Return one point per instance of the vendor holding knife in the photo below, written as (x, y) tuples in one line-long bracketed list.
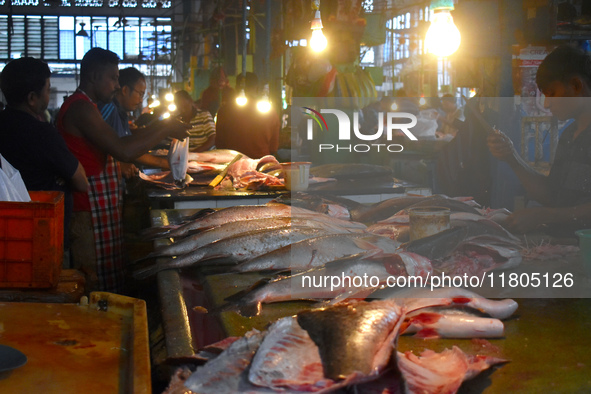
[(565, 79)]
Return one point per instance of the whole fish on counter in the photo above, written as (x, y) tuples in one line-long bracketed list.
[(338, 207), (227, 230), (312, 284), (237, 248), (250, 212), (316, 252)]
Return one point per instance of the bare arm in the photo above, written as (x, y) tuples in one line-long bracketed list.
[(79, 182), (153, 161), (83, 119), (536, 184), (206, 145)]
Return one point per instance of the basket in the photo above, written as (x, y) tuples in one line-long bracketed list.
[(32, 241)]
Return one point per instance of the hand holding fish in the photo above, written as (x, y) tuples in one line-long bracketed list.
[(500, 146)]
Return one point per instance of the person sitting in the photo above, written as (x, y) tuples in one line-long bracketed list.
[(97, 242), (34, 147), (245, 128), (128, 98), (564, 77), (202, 131)]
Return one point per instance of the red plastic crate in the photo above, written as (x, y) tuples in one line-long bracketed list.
[(32, 240)]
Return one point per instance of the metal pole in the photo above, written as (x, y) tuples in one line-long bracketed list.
[(268, 40), (244, 44)]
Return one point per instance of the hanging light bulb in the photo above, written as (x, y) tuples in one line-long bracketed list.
[(317, 41), (171, 107), (443, 37), (241, 99), (154, 104), (264, 105), (169, 97)]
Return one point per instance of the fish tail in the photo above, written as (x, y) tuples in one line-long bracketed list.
[(144, 273), (149, 256)]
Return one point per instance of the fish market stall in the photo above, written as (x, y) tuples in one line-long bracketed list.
[(241, 274), (257, 181)]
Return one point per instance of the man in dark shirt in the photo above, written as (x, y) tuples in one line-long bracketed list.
[(565, 79), (35, 147)]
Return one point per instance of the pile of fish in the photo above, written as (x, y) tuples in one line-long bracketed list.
[(351, 348), (300, 240)]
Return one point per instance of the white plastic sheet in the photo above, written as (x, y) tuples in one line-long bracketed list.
[(12, 187), (178, 159)]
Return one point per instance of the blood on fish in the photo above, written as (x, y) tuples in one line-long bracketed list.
[(461, 300), (426, 318), (427, 333)]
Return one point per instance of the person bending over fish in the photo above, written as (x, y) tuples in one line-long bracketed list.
[(97, 224), (565, 79)]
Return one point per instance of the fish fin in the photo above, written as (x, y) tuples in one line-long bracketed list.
[(372, 249), (144, 273), (427, 333)]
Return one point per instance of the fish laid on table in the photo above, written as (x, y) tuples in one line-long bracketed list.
[(313, 285), (449, 323), (218, 156), (237, 248), (227, 230), (418, 298), (384, 209), (249, 212), (338, 207), (443, 372), (228, 373), (316, 252)]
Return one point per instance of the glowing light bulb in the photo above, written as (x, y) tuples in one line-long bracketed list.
[(264, 105), (241, 99), (394, 107), (165, 115), (318, 42), (154, 104), (171, 107), (443, 37), (169, 97), (422, 101)]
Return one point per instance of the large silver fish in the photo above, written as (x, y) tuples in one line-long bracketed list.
[(318, 251), (227, 230), (235, 249), (338, 280), (249, 212)]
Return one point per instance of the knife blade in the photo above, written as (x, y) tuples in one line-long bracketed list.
[(222, 174)]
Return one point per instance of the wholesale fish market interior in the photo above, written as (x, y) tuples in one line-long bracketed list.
[(297, 196)]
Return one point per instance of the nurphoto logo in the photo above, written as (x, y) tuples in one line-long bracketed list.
[(402, 121)]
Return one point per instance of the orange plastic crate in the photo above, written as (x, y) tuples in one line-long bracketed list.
[(32, 240)]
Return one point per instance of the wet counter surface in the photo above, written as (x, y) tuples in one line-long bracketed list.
[(101, 347), (546, 341)]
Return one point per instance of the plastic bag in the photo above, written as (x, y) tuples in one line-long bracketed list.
[(178, 159), (12, 187)]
